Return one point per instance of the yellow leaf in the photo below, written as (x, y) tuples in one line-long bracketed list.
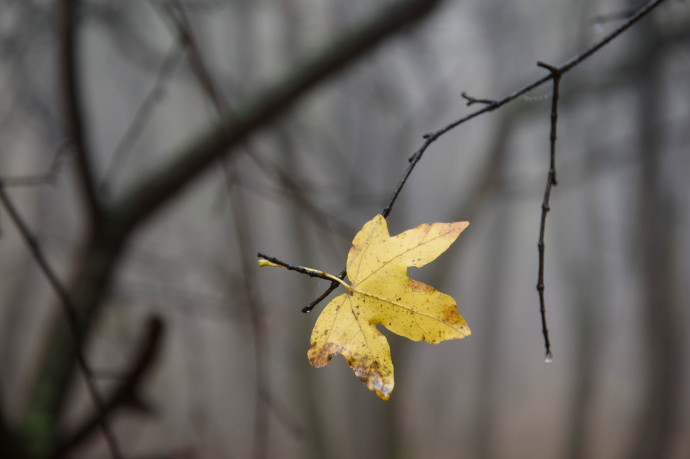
[(381, 293)]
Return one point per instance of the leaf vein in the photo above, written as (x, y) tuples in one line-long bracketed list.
[(383, 265), (408, 308)]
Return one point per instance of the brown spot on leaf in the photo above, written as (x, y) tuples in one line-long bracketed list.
[(420, 286), (319, 356), (371, 362), (376, 377), (450, 315)]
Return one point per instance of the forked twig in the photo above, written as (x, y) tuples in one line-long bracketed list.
[(46, 178), (126, 391), (473, 100), (115, 220), (263, 401), (300, 269), (71, 314), (141, 119), (334, 285), (555, 74)]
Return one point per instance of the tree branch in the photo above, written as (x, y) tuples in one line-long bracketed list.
[(141, 119), (491, 105), (47, 178), (550, 181), (162, 185), (299, 269), (73, 107), (71, 314), (126, 392), (117, 219)]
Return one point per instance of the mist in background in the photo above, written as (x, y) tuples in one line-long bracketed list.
[(231, 377)]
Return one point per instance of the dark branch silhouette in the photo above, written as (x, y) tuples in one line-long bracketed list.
[(110, 223), (47, 178), (162, 185), (431, 137), (71, 314), (72, 103), (141, 118), (126, 392), (550, 182)]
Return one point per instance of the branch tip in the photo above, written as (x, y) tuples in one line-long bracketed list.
[(473, 100), (555, 71)]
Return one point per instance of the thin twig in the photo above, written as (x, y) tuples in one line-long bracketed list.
[(473, 100), (187, 38), (601, 19), (282, 414), (642, 12), (161, 185), (414, 159), (255, 309), (126, 391), (296, 189), (299, 269), (47, 178), (175, 13), (550, 182), (227, 114), (140, 202), (71, 314), (334, 285), (431, 137), (141, 118), (183, 29)]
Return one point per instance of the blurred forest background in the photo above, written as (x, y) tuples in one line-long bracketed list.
[(207, 354)]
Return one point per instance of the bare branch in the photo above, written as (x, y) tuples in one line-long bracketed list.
[(47, 178), (121, 216), (561, 70), (68, 61), (473, 100), (183, 29), (254, 306), (162, 185), (550, 181), (334, 285), (431, 137), (127, 390), (70, 312), (141, 118), (299, 269)]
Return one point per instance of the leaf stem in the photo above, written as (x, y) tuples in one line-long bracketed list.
[(265, 260)]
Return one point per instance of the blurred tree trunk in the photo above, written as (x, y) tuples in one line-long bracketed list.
[(664, 360), (586, 271)]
